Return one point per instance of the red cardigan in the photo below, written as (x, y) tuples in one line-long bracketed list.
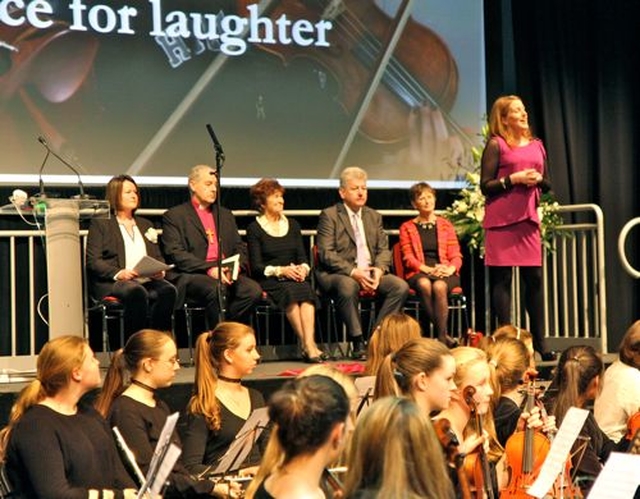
[(411, 246)]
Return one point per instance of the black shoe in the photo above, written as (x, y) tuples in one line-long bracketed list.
[(312, 360), (449, 341), (549, 356), (359, 349)]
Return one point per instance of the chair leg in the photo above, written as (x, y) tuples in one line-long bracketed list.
[(121, 324), (189, 322), (332, 326), (106, 347)]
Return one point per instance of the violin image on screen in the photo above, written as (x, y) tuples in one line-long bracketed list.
[(526, 452), (476, 464), (421, 72)]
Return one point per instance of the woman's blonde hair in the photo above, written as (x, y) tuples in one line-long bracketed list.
[(392, 332), (395, 448), (510, 359), (57, 360), (466, 359), (499, 111), (209, 356)]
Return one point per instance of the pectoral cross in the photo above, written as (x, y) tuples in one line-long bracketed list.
[(210, 235)]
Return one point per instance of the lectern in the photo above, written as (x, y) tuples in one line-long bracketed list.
[(64, 259)]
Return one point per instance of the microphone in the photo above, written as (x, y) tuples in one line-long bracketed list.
[(44, 142), (216, 143), (41, 194)]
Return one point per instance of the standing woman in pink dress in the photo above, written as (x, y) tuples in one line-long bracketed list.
[(514, 173)]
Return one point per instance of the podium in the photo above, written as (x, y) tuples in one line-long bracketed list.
[(64, 259)]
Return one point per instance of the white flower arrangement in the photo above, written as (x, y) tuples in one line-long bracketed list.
[(152, 235), (467, 213)]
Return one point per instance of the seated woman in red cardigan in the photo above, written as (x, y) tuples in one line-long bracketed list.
[(431, 259)]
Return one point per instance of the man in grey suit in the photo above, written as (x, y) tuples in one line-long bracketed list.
[(354, 257)]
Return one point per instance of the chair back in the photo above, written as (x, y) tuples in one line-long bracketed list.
[(398, 267)]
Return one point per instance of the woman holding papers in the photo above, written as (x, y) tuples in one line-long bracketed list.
[(115, 246), (279, 263), (129, 401), (220, 404), (54, 446)]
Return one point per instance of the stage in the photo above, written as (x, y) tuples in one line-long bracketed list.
[(266, 378)]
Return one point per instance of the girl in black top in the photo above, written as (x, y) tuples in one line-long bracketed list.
[(54, 447), (148, 361)]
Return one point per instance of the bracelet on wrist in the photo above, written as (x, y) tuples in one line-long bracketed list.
[(506, 182)]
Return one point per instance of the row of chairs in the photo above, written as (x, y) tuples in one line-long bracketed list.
[(111, 310)]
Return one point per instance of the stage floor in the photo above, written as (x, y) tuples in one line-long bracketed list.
[(267, 377)]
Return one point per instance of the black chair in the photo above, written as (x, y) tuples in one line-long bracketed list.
[(111, 310), (190, 308)]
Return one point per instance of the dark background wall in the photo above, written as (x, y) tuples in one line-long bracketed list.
[(575, 64)]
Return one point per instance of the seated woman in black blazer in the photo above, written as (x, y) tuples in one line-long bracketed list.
[(114, 247)]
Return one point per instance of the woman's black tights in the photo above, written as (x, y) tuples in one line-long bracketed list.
[(500, 279)]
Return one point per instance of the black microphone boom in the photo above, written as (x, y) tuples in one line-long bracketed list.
[(40, 181), (216, 144), (44, 142)]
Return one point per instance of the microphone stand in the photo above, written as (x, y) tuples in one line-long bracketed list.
[(219, 164), (82, 194)]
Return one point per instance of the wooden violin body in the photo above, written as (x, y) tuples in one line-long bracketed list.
[(476, 464), (633, 425), (521, 474), (450, 444), (526, 452), (421, 72)]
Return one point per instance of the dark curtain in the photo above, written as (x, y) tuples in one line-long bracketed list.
[(575, 63)]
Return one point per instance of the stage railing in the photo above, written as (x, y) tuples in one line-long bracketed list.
[(574, 281)]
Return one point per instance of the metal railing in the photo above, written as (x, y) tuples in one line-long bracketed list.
[(573, 277)]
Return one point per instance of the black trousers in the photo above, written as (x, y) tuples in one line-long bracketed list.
[(238, 300)]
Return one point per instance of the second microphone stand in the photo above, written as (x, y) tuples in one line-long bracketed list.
[(222, 292)]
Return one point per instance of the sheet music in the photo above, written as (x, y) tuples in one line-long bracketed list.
[(233, 264), (559, 453), (164, 450), (619, 479), (245, 439), (164, 468), (148, 266)]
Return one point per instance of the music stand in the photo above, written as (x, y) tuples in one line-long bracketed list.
[(164, 458), (365, 386), (245, 439)]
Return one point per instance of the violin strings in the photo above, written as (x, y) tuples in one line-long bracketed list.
[(397, 75)]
